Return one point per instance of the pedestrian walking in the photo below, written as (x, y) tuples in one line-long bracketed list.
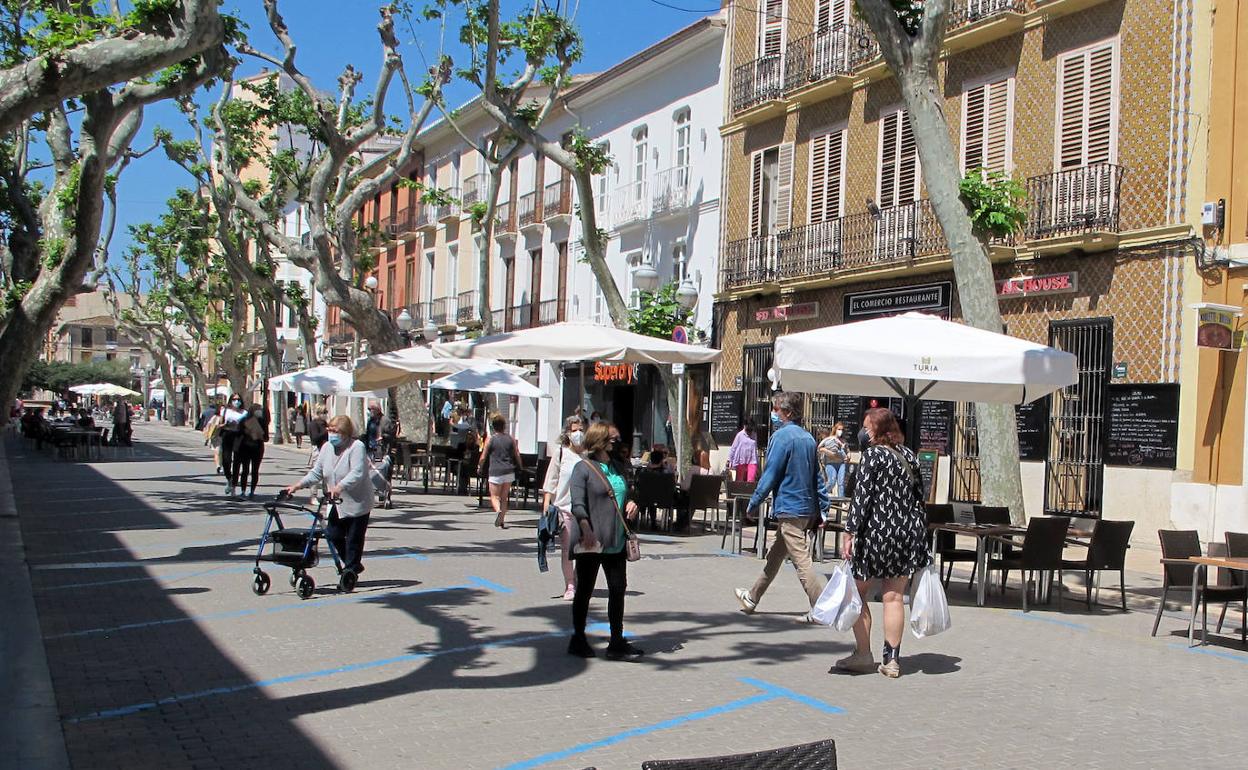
[(318, 428), (342, 466), (886, 537), (299, 424), (231, 427), (121, 423), (799, 499), (743, 454), (600, 504), (249, 451), (557, 489), (833, 457), (501, 457)]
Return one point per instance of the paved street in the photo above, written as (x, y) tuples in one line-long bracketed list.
[(450, 654)]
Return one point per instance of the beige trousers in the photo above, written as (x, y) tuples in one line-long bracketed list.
[(790, 542)]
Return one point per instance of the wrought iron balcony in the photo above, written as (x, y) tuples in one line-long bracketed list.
[(630, 203), (1078, 200), (506, 222), (418, 312), (556, 200), (449, 212), (967, 12), (670, 191), (442, 310), (521, 316), (466, 308), (527, 210), (551, 311), (475, 189), (827, 53), (339, 334), (498, 320), (756, 82), (424, 219)]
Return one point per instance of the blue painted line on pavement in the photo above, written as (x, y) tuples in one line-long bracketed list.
[(489, 584), (769, 692), (1214, 653), (1053, 621)]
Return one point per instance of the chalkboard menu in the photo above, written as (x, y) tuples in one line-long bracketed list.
[(936, 426), (848, 410), (927, 472), (725, 415), (1033, 429), (1143, 426)]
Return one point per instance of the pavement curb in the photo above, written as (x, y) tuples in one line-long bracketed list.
[(30, 723)]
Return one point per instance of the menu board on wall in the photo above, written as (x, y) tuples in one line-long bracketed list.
[(1143, 428), (927, 472), (936, 426), (848, 410), (725, 415), (1033, 429)]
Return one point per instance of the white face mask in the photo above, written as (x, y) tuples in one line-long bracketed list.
[(577, 437), (838, 433)]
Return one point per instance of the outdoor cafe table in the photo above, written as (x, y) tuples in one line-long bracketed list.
[(1203, 563), (982, 533)]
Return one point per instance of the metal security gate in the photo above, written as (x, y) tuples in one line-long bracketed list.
[(820, 412), (964, 478), (756, 388), (1075, 470)]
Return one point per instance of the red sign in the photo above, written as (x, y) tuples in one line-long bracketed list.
[(1030, 286), (618, 374), (783, 313)]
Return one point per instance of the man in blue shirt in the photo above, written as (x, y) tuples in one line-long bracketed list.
[(798, 491)]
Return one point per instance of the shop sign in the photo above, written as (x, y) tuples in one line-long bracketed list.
[(933, 298), (339, 354), (1215, 326), (783, 313), (1032, 285), (615, 373)]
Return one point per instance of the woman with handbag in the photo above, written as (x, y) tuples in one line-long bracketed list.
[(600, 504), (885, 537)]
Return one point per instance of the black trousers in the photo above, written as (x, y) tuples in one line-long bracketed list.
[(615, 567), (246, 460), (229, 442), (346, 533)]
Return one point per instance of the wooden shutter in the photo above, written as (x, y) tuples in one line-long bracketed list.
[(899, 161), (771, 34), (784, 188), (830, 13), (756, 195), (826, 169), (986, 126), (888, 160), (1087, 92)]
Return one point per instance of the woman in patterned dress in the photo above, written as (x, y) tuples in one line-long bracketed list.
[(886, 537)]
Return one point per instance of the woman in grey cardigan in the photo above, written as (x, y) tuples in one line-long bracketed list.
[(343, 466), (600, 503)]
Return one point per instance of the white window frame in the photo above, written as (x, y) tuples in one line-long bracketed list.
[(1008, 75), (759, 37), (1115, 44), (641, 147)]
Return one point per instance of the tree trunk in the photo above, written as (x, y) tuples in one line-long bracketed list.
[(20, 340)]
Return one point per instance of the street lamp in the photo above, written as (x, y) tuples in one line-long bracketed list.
[(645, 277), (430, 330), (405, 321), (687, 294), (370, 283)]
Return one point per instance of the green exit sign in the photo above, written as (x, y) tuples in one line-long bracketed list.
[(1120, 370)]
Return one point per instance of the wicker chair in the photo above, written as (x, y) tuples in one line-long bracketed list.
[(1041, 552), (1106, 551), (1182, 544), (704, 496), (808, 756), (946, 544), (655, 491)]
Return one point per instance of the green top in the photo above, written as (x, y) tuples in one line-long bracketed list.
[(620, 487)]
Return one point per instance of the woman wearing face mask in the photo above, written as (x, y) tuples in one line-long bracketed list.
[(231, 428), (343, 467), (250, 450), (599, 493), (833, 455), (558, 492)]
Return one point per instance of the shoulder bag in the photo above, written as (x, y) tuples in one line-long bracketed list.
[(632, 548)]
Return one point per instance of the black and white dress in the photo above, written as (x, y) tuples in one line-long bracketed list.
[(886, 516)]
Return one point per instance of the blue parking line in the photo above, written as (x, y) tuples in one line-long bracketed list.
[(769, 692), (1054, 621), (489, 584), (1215, 653)]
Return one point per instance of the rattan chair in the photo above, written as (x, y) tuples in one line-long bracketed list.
[(704, 496), (1183, 544), (1041, 552), (1106, 551), (808, 756), (655, 491), (946, 544)]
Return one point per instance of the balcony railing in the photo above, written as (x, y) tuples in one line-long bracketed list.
[(339, 333), (449, 211), (506, 223), (670, 190), (898, 234), (417, 310), (551, 311), (521, 316), (498, 319), (424, 217), (966, 12), (466, 308), (442, 310), (556, 200), (1078, 200), (630, 203), (756, 82), (475, 188), (527, 210), (824, 54)]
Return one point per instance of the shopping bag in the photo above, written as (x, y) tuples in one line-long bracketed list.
[(839, 605), (929, 611)]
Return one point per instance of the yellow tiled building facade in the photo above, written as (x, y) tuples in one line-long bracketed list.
[(1093, 106)]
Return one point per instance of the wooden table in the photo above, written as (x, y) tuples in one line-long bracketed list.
[(1203, 563), (982, 533)]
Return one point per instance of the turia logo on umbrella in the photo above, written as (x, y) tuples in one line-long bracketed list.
[(926, 366)]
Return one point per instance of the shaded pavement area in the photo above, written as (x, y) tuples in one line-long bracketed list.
[(450, 653)]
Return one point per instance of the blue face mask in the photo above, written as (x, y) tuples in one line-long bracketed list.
[(775, 418), (335, 439)]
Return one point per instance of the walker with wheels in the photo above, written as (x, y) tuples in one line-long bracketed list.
[(297, 547)]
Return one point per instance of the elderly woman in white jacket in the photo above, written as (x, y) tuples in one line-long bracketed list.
[(343, 466), (558, 492)]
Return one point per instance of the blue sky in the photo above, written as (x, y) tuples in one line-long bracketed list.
[(332, 33)]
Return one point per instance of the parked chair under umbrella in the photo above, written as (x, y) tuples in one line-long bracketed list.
[(1041, 552)]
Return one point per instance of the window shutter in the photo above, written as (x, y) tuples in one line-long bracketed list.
[(1100, 105), (826, 168), (1070, 143), (756, 195), (1087, 92), (907, 162), (771, 41), (888, 160), (784, 188), (986, 126), (973, 128)]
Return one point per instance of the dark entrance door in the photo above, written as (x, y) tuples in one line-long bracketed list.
[(756, 387), (1075, 469)]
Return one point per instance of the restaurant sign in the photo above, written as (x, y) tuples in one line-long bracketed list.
[(1215, 325), (1032, 285), (615, 373), (783, 313), (933, 298)]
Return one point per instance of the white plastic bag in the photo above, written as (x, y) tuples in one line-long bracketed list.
[(839, 605), (929, 611)]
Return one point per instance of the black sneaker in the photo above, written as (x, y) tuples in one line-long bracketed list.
[(623, 651), (579, 646)]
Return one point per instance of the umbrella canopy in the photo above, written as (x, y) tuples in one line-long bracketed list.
[(577, 342), (419, 364), (321, 381), (490, 379), (921, 356), (103, 389), (86, 390)]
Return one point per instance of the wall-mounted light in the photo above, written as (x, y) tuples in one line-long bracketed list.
[(370, 283)]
